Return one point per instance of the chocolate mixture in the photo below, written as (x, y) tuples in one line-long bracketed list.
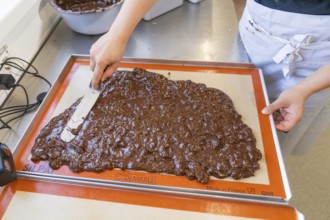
[(143, 121), (84, 6)]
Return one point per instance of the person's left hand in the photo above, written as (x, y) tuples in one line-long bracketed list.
[(287, 110)]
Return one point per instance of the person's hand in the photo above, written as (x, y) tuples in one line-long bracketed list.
[(105, 55), (107, 52), (287, 110)]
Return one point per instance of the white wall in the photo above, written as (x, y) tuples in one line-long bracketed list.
[(25, 24), (7, 18), (6, 7)]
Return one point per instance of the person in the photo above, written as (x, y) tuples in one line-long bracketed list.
[(288, 40), (106, 52)]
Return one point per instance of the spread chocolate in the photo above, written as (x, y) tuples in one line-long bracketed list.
[(84, 6), (144, 121)]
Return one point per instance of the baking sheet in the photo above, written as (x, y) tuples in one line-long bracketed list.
[(231, 84), (243, 85), (26, 199)]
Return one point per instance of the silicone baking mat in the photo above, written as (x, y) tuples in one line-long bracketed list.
[(29, 200), (244, 84)]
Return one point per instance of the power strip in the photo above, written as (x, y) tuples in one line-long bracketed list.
[(17, 74)]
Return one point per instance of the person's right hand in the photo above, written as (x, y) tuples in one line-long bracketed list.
[(106, 52), (105, 55)]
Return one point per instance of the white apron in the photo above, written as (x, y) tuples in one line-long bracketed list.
[(288, 47)]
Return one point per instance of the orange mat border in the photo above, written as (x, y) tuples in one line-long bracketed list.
[(275, 188), (157, 200)]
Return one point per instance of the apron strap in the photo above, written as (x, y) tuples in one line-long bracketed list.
[(289, 53)]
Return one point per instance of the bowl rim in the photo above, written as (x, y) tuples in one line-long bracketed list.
[(52, 2)]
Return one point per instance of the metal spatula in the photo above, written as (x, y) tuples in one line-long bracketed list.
[(78, 117)]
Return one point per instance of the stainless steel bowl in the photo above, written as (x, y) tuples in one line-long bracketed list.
[(89, 22)]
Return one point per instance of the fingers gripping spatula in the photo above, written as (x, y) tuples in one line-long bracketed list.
[(86, 104)]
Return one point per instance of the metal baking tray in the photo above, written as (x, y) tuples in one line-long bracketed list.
[(242, 82), (83, 202)]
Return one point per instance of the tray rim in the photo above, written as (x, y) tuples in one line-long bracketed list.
[(74, 57), (72, 190)]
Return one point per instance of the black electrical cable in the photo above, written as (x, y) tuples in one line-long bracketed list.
[(21, 110), (17, 66), (26, 110), (17, 107), (4, 124), (10, 63), (15, 111)]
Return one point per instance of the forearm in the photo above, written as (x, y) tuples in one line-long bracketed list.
[(315, 82), (129, 16)]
